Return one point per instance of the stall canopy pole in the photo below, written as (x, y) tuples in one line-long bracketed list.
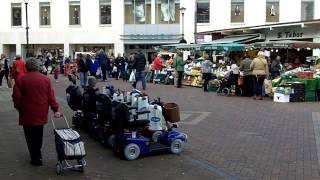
[(287, 55)]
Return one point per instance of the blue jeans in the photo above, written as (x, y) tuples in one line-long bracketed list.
[(258, 84), (140, 76), (83, 79)]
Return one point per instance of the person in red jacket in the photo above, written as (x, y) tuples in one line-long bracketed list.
[(157, 66), (18, 68), (32, 96)]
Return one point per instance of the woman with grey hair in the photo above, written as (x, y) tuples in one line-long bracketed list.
[(260, 70), (32, 96)]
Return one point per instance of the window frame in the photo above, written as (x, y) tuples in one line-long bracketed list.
[(158, 13), (74, 3), (204, 2), (15, 5), (105, 3), (44, 4), (147, 14), (313, 13), (241, 2), (273, 19)]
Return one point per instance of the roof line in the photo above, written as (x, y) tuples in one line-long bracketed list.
[(265, 26)]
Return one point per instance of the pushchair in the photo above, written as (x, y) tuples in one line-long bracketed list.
[(229, 86), (69, 147)]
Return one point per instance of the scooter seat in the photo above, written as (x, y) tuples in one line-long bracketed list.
[(139, 123)]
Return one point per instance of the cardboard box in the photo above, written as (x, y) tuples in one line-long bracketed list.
[(283, 98)]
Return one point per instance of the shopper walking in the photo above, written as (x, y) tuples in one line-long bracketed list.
[(260, 70), (32, 96), (18, 68), (179, 65), (139, 65), (104, 63), (118, 64), (83, 70), (4, 69), (206, 69), (247, 76), (94, 66)]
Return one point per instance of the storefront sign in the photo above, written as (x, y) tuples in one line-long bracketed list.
[(289, 35)]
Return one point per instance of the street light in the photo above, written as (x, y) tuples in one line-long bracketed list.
[(27, 28), (182, 10)]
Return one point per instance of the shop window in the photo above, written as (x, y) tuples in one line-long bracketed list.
[(44, 13), (137, 11), (203, 11), (105, 11), (272, 11), (237, 11), (167, 11), (74, 13), (16, 14), (307, 10)]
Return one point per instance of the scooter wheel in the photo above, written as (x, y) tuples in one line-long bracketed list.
[(177, 146), (111, 140), (131, 151)]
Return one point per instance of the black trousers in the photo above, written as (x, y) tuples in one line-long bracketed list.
[(104, 72), (248, 85), (258, 84), (33, 135), (180, 75), (206, 77), (4, 73)]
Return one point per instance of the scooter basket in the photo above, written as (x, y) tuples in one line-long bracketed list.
[(171, 112)]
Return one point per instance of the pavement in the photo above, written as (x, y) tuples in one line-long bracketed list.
[(229, 138)]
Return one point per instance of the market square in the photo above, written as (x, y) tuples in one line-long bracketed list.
[(160, 89)]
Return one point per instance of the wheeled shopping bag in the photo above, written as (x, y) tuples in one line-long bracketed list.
[(69, 147)]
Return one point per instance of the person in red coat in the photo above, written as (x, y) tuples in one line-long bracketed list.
[(32, 96), (18, 68), (157, 66)]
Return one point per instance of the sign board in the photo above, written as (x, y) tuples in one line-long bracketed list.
[(293, 32)]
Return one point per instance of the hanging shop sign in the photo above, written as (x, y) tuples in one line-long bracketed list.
[(289, 35)]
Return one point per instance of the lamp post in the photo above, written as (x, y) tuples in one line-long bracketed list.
[(27, 28), (182, 10)]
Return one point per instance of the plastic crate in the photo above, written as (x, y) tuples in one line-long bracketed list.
[(310, 96)]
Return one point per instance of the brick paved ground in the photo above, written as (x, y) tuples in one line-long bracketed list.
[(234, 138)]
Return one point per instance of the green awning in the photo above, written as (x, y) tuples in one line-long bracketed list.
[(224, 47)]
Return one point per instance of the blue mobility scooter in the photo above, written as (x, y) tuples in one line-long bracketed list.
[(132, 144)]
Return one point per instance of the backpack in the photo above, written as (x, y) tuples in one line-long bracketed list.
[(74, 98)]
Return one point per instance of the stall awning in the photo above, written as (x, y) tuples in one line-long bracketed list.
[(236, 39), (287, 44), (224, 47)]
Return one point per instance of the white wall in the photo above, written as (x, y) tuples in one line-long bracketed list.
[(90, 32)]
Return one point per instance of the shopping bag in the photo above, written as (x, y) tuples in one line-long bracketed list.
[(240, 81), (268, 86), (132, 77), (10, 83), (143, 105)]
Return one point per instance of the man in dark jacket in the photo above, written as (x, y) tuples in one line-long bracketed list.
[(139, 65), (104, 63), (118, 62), (32, 96), (83, 70)]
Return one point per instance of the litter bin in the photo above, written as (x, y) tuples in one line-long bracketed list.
[(171, 112)]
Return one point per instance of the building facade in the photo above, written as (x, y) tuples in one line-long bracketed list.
[(122, 26)]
